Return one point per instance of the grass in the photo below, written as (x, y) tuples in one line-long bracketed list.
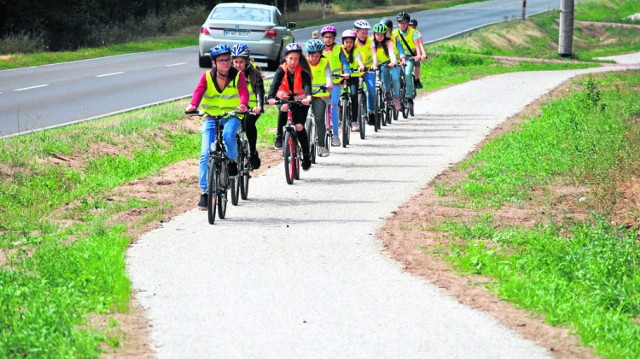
[(584, 274), (65, 257)]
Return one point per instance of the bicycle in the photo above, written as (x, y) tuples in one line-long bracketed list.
[(363, 116), (344, 110), (310, 125), (380, 99), (218, 180), (244, 167), (291, 151), (403, 99)]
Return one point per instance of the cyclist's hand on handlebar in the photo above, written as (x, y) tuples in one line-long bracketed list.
[(190, 108), (392, 64), (330, 87), (284, 107), (306, 101), (271, 101), (361, 68), (256, 110), (242, 108), (374, 67)]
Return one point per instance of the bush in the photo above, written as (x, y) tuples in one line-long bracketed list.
[(21, 42)]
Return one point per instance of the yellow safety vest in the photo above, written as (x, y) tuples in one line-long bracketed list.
[(365, 50), (382, 56), (318, 77), (334, 61), (215, 103), (408, 37)]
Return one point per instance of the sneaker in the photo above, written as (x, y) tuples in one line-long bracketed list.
[(233, 169), (306, 162), (355, 127), (277, 143), (203, 201), (372, 119), (409, 103), (255, 160), (335, 141), (323, 152), (396, 104), (387, 96), (418, 84)]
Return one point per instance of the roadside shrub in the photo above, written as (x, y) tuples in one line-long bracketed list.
[(21, 42)]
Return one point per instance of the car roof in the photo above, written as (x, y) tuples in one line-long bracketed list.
[(237, 4)]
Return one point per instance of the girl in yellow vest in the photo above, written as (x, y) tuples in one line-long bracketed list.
[(407, 38), (339, 65), (242, 61), (354, 58), (386, 60), (320, 75), (364, 45), (221, 89), (292, 81), (413, 23)]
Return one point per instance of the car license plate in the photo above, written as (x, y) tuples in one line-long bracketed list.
[(236, 33)]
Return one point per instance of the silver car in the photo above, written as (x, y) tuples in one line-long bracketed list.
[(262, 27)]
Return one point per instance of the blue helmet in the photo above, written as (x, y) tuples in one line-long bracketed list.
[(218, 50), (240, 50), (314, 45)]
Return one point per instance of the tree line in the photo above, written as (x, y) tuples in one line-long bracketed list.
[(71, 24)]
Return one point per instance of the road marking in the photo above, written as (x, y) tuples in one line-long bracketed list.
[(111, 74), (31, 87), (176, 64)]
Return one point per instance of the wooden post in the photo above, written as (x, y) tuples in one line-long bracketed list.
[(565, 42)]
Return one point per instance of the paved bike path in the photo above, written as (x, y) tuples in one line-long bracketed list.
[(296, 271)]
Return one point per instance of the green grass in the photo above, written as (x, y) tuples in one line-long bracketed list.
[(580, 274), (607, 10)]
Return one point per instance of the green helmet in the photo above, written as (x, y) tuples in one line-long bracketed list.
[(380, 28)]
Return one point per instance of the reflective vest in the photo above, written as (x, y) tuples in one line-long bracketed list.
[(408, 37), (365, 50), (215, 103), (382, 56), (353, 64), (284, 92), (318, 77), (334, 61)]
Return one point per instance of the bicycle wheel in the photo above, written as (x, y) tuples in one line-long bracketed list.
[(379, 110), (313, 141), (388, 113), (244, 168), (345, 108), (297, 156), (212, 184), (234, 183), (405, 111), (289, 159), (363, 117), (223, 187), (327, 141)]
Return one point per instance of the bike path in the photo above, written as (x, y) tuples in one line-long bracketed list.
[(297, 271)]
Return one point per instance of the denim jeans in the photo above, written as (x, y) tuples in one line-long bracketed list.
[(408, 79), (391, 75), (208, 132), (335, 98), (370, 83)]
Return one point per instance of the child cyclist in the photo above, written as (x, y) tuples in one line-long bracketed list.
[(386, 60), (320, 75), (292, 81), (364, 45), (221, 89), (339, 64), (406, 37), (413, 23), (354, 59), (242, 61)]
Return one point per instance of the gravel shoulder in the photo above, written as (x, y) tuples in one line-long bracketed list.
[(299, 270)]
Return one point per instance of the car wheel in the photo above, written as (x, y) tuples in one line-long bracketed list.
[(204, 61)]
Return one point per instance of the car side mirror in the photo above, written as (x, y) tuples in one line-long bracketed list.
[(291, 25)]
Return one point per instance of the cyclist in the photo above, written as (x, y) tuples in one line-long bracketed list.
[(354, 59), (241, 56), (413, 23), (292, 81), (386, 57), (221, 89), (407, 39), (320, 75), (339, 64), (365, 46)]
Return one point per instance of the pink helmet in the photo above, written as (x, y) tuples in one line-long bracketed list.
[(348, 34), (329, 28)]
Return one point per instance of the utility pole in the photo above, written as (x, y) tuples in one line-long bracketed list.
[(565, 42), (524, 9)]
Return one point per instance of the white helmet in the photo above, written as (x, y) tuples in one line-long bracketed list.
[(361, 24)]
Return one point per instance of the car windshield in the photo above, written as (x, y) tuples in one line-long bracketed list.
[(237, 13)]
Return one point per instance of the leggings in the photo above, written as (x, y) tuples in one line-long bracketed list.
[(319, 108), (251, 130), (299, 118)]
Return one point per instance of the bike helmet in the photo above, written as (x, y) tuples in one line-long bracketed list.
[(218, 50), (348, 34), (292, 47), (403, 16), (314, 45), (240, 50), (361, 24), (329, 28), (413, 22), (387, 22), (380, 29)]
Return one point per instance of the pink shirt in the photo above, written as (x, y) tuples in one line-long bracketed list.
[(202, 87)]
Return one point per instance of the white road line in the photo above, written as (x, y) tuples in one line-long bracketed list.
[(31, 87), (111, 74), (176, 64)]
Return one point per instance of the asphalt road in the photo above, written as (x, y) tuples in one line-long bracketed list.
[(53, 95), (297, 271)]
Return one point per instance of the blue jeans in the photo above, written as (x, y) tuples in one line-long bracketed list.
[(391, 74), (208, 132), (408, 79), (335, 98), (370, 81)]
